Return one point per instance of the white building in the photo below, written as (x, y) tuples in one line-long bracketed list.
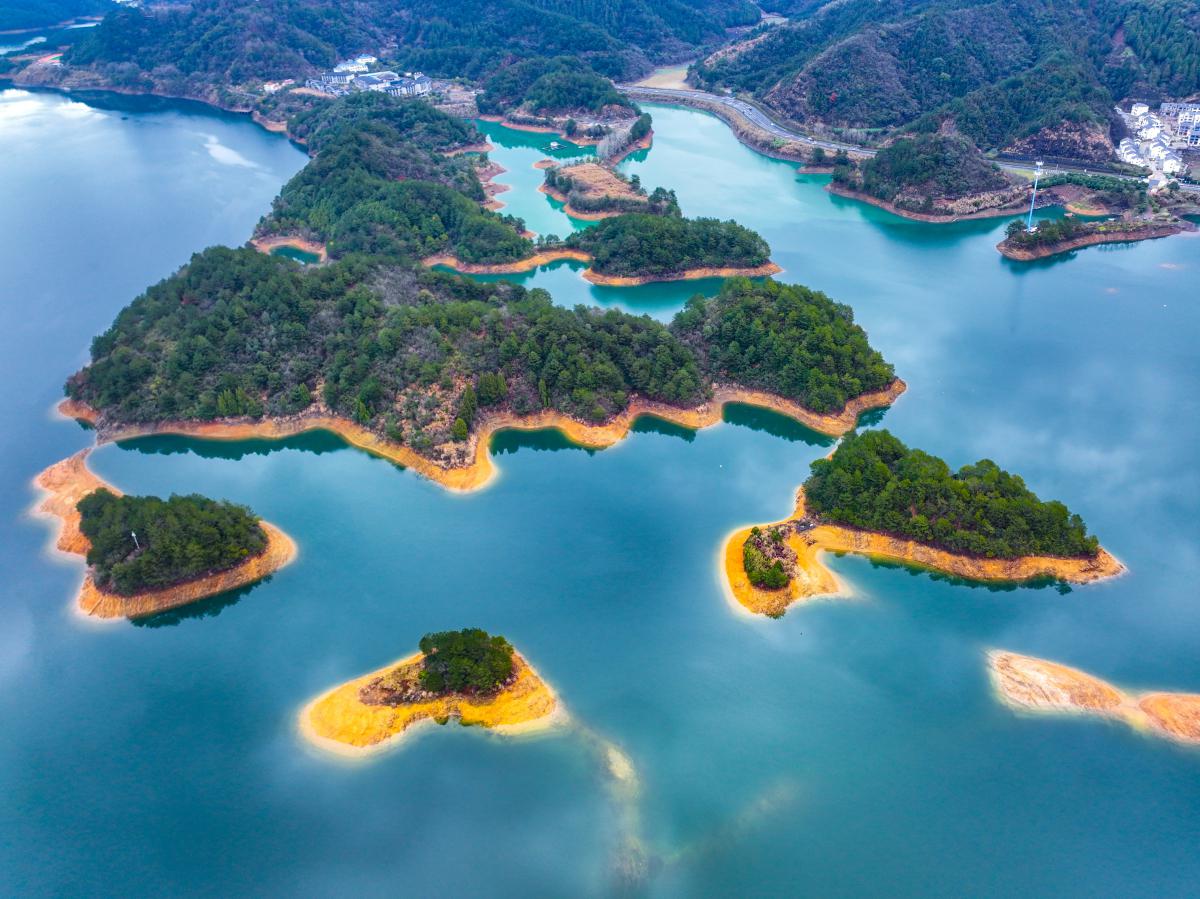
[(1138, 109)]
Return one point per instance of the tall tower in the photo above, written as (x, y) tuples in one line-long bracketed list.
[(1037, 176)]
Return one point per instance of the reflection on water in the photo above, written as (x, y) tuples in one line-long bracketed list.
[(771, 422), (316, 441), (510, 441), (204, 608)]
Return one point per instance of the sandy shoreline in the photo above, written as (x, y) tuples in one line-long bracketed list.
[(481, 470), (65, 483), (546, 257), (339, 721), (1026, 683), (994, 212), (813, 580), (1029, 254), (267, 244)]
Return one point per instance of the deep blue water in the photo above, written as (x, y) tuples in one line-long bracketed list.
[(853, 747)]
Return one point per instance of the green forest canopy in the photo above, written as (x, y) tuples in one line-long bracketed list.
[(1001, 70), (641, 244), (180, 538), (468, 661), (928, 166), (876, 483), (560, 84)]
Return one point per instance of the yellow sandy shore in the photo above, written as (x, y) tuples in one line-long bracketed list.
[(548, 256), (1027, 683), (342, 722), (814, 580), (481, 470), (267, 244), (67, 482)]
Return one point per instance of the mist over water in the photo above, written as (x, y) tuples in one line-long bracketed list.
[(851, 748)]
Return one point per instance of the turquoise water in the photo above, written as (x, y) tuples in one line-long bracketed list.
[(851, 748), (297, 255)]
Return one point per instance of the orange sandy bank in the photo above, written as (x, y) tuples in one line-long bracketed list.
[(548, 256), (1024, 682), (67, 482), (480, 470), (813, 579), (351, 719), (267, 244), (507, 268)]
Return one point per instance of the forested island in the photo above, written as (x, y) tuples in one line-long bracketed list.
[(422, 366), (878, 497), (930, 177), (470, 675), (591, 191), (146, 554)]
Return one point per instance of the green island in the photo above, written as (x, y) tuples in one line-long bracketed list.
[(877, 497), (873, 482), (178, 539), (543, 90), (469, 675), (931, 177), (590, 190), (1130, 214)]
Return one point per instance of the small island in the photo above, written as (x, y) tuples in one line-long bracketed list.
[(1026, 683), (563, 95), (469, 675), (146, 555), (877, 497), (442, 363), (930, 178), (1130, 214), (590, 191)]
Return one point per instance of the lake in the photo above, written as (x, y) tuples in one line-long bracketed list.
[(852, 748)]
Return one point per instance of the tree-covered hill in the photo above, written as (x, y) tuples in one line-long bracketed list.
[(876, 483), (927, 172), (231, 42), (543, 86), (1042, 72), (178, 539)]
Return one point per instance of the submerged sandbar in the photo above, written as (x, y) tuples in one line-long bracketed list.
[(1032, 684)]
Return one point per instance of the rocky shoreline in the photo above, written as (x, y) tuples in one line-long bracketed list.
[(811, 579)]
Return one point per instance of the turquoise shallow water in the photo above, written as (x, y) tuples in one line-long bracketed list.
[(850, 748)]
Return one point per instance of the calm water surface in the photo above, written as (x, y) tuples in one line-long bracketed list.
[(851, 748)]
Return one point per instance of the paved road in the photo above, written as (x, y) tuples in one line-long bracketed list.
[(756, 116)]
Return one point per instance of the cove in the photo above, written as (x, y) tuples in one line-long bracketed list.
[(839, 751)]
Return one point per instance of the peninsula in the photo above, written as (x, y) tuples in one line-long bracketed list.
[(445, 362), (930, 178), (1030, 684), (162, 569), (1131, 213), (469, 675), (590, 191), (876, 497)]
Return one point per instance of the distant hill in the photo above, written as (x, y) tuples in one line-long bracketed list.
[(232, 41), (1022, 75)]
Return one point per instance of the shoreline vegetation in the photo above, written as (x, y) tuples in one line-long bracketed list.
[(548, 257), (480, 469), (351, 719), (1025, 683), (811, 579), (67, 482), (840, 190), (1093, 234)]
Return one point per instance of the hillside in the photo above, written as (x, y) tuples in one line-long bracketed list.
[(227, 42), (1021, 75)]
